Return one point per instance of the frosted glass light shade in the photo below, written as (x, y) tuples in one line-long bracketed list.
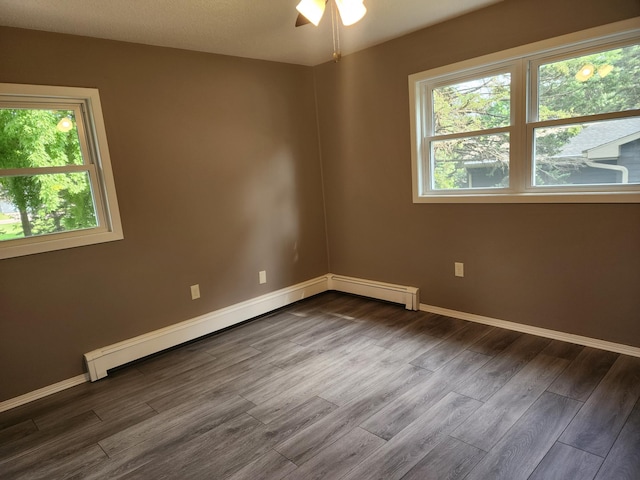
[(351, 11), (312, 10)]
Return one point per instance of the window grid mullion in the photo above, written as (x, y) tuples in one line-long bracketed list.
[(15, 172)]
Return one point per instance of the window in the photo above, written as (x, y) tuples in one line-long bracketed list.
[(557, 121), (56, 185)]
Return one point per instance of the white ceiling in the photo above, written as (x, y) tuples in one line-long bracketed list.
[(262, 29)]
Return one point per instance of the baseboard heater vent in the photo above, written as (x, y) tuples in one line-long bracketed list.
[(409, 296)]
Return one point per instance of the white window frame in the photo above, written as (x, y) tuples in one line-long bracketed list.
[(522, 62), (85, 102)]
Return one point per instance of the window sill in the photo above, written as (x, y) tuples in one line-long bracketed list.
[(578, 197), (47, 244)]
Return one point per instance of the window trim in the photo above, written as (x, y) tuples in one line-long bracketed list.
[(521, 189), (95, 151)]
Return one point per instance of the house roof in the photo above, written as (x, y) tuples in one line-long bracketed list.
[(611, 133)]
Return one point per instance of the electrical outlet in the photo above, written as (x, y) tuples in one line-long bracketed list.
[(262, 276), (195, 291), (459, 269)]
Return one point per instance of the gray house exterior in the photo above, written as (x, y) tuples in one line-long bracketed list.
[(602, 153)]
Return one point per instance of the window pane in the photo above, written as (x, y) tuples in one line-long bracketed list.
[(592, 153), (31, 138), (474, 105), (471, 162), (603, 82), (34, 205)]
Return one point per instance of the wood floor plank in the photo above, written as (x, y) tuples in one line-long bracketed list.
[(204, 457), (495, 341), (68, 467), (247, 333), (393, 323), (405, 409), (336, 338), (70, 441), (325, 327), (154, 449), (348, 374), (166, 462), (357, 385), (518, 453), (434, 358), (508, 404), (498, 371), (66, 404), (563, 462), (286, 326), (271, 408), (229, 353), (599, 422), (418, 325), (450, 460), (584, 374), (568, 351), (409, 347), (16, 432), (623, 462), (407, 448), (324, 364), (173, 362), (39, 438), (230, 380), (289, 354), (338, 459), (202, 411), (304, 445), (400, 326), (270, 466)]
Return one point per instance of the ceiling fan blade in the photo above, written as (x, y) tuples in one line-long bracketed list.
[(301, 20)]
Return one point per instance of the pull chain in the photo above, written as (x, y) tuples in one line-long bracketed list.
[(337, 55)]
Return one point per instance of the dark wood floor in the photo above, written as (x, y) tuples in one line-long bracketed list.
[(342, 387)]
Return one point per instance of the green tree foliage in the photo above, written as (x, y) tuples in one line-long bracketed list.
[(47, 202), (562, 95), (610, 86), (471, 106)]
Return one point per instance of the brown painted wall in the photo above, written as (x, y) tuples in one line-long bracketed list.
[(217, 173), (573, 268)]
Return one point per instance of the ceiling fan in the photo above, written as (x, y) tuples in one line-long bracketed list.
[(311, 11)]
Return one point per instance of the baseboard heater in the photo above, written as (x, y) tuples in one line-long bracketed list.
[(103, 359), (409, 296)]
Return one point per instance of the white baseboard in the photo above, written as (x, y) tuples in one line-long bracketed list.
[(103, 359), (43, 392), (409, 296), (540, 332)]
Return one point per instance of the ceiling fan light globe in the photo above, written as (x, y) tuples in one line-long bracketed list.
[(351, 11), (312, 10)]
